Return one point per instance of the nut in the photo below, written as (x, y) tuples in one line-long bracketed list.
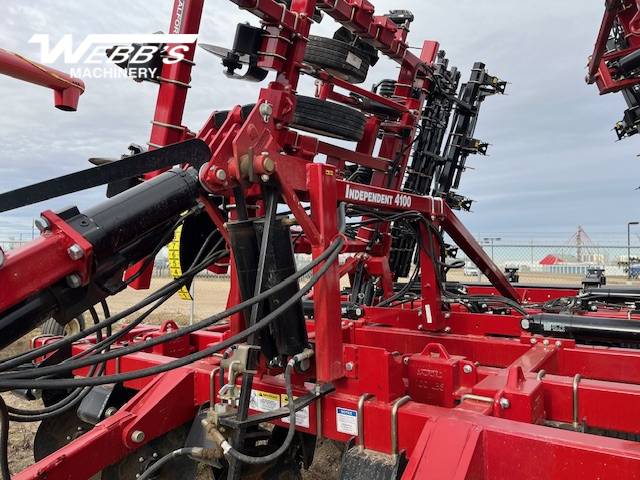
[(405, 360), (221, 175), (504, 403), (545, 342), (533, 341), (558, 343), (467, 369), (74, 280), (137, 436), (75, 252), (349, 366), (447, 329)]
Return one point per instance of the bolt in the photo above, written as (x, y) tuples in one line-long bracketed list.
[(221, 175), (533, 341), (349, 366), (405, 360), (467, 369), (137, 436), (447, 329), (419, 314), (504, 403), (42, 224), (79, 429), (74, 280), (141, 459), (110, 411), (343, 324), (545, 342), (433, 217), (420, 327), (75, 252), (278, 125), (351, 324), (447, 315), (68, 438), (264, 177), (155, 455), (558, 343)]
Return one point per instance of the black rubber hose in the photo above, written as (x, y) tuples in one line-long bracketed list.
[(172, 287), (4, 441), (330, 254), (64, 368), (155, 468)]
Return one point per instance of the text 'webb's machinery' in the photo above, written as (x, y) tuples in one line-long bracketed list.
[(421, 377)]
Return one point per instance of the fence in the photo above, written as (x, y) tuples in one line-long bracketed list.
[(537, 264), (559, 264)]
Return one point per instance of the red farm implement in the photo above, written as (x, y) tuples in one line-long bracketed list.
[(419, 376)]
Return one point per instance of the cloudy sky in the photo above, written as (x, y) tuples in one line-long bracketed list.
[(553, 163)]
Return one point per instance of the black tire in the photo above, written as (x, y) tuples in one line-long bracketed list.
[(328, 118), (51, 327), (338, 58)]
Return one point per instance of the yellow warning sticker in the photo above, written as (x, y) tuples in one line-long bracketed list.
[(174, 262)]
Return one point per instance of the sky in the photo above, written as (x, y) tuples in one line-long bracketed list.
[(553, 164)]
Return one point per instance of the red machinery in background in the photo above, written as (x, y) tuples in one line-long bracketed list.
[(421, 377)]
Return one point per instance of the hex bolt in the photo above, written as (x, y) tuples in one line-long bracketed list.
[(74, 280), (343, 324), (447, 329), (504, 403), (349, 366), (264, 177), (420, 327), (558, 343), (447, 315), (75, 252), (221, 175), (137, 436), (42, 224), (419, 314), (155, 455), (545, 342), (467, 369), (405, 360), (533, 341), (141, 459)]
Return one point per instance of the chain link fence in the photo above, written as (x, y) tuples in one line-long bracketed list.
[(557, 264)]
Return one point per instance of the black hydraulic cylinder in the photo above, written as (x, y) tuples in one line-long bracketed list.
[(611, 330), (289, 329), (246, 252), (122, 230), (629, 63)]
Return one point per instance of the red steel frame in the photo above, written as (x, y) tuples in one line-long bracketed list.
[(481, 388)]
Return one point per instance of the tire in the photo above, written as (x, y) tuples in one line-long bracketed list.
[(338, 58), (52, 327), (328, 118)]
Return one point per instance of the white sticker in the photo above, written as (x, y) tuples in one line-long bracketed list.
[(354, 60), (302, 415), (264, 401), (347, 421), (427, 313)]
